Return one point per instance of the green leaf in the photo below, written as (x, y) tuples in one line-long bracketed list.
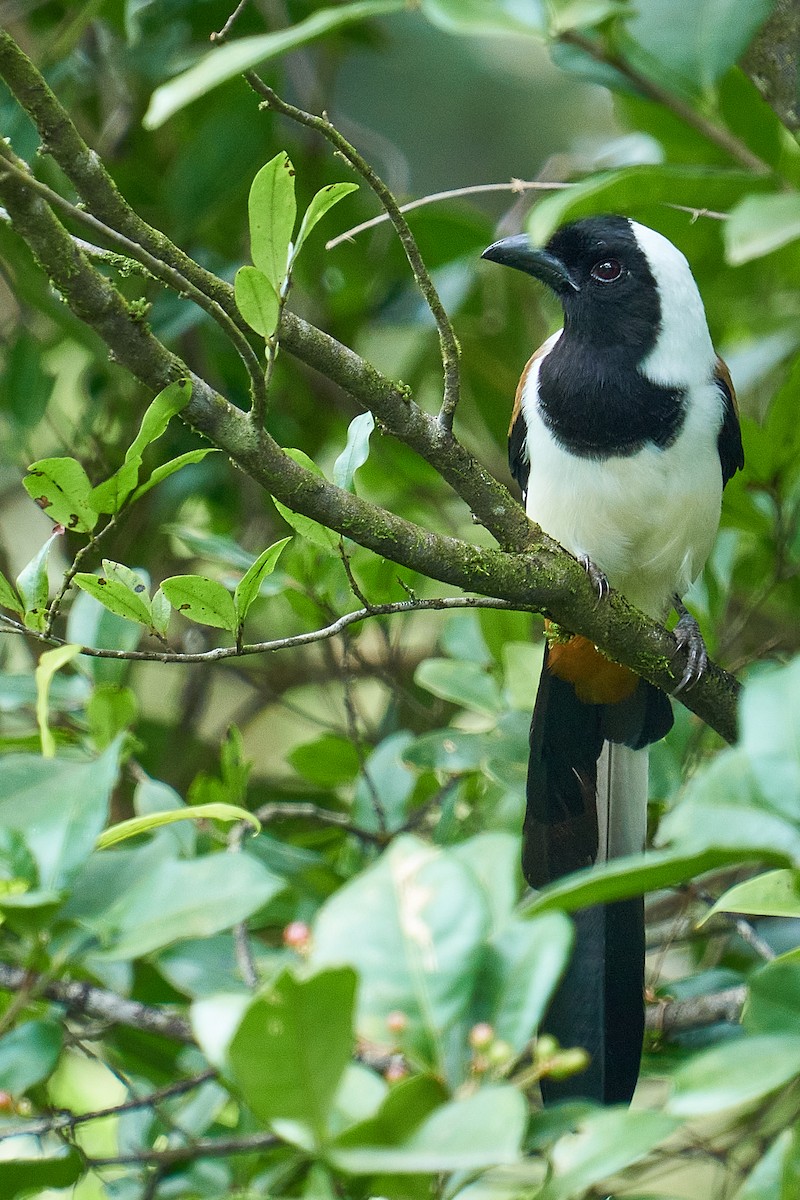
[(527, 960), (178, 900), (23, 1175), (272, 209), (160, 612), (61, 835), (110, 711), (169, 468), (488, 18), (631, 189), (61, 487), (413, 925), (761, 224), (770, 738), (116, 596), (773, 1000), (480, 1131), (293, 1045), (692, 43), (461, 682), (323, 201), (171, 400), (28, 1054), (582, 14), (312, 531), (203, 600), (135, 826), (773, 894), (327, 762), (249, 585), (50, 662), (34, 587), (604, 1143), (734, 1073), (9, 597), (356, 451), (225, 62), (257, 300), (109, 497)]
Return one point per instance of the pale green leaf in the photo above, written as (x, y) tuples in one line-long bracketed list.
[(311, 530), (734, 1073), (199, 812), (461, 682), (257, 300), (489, 18), (9, 597), (323, 201), (773, 894), (61, 488), (50, 662), (171, 400), (109, 496), (356, 451), (248, 586), (33, 585), (116, 596), (160, 612), (227, 61), (604, 1143), (272, 209), (203, 600), (169, 468)]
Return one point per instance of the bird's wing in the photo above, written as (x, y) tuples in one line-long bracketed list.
[(731, 453)]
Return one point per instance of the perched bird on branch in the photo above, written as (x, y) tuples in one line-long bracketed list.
[(623, 435)]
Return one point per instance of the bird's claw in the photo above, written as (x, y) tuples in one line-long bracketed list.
[(689, 638), (596, 576)]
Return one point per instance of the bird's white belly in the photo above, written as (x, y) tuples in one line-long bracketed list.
[(648, 521)]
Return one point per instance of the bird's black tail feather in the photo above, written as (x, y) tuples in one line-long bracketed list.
[(579, 813)]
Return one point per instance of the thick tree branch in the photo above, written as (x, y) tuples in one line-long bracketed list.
[(543, 578)]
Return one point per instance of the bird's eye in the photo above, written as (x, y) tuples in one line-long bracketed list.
[(607, 271)]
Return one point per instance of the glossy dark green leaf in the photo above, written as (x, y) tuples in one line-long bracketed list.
[(61, 488), (200, 599), (257, 300), (24, 1175), (293, 1045)]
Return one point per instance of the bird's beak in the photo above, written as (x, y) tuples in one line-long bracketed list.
[(519, 252)]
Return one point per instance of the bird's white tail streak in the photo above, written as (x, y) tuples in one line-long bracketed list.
[(622, 789)]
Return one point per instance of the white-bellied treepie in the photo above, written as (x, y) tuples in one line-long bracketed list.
[(623, 435)]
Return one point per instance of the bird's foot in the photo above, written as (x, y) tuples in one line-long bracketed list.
[(689, 638), (596, 576)]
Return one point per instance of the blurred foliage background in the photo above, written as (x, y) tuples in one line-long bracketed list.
[(394, 756)]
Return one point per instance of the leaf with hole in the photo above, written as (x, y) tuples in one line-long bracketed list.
[(61, 488), (203, 600), (116, 596)]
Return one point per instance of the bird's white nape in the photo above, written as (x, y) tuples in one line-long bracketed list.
[(683, 354)]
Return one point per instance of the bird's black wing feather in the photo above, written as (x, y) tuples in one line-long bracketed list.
[(729, 442)]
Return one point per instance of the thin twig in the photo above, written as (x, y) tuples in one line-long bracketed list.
[(250, 1143), (718, 134), (447, 338), (218, 38), (283, 811), (398, 608), (474, 189), (168, 275)]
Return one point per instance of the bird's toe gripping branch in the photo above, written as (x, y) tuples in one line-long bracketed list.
[(598, 579), (690, 639)]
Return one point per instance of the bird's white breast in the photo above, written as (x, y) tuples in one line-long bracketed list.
[(647, 520)]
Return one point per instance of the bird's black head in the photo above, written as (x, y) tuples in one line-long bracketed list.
[(602, 276)]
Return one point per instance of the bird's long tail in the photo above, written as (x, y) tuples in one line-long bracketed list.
[(586, 803)]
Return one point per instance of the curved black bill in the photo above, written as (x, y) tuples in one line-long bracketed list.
[(520, 253)]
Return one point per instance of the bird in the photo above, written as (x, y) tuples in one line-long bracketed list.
[(624, 432)]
